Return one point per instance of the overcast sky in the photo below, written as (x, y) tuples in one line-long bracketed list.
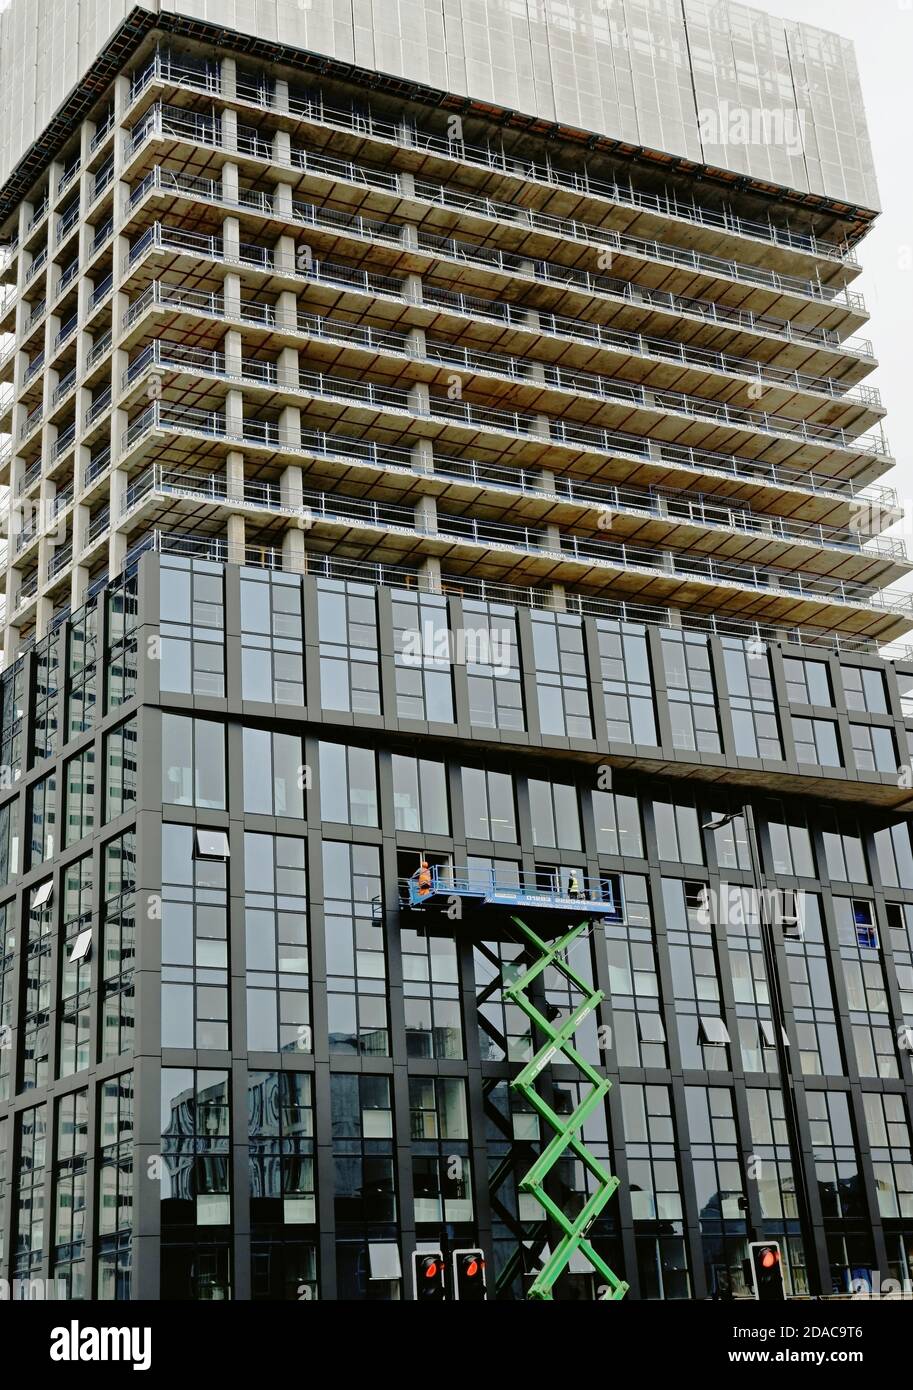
[(882, 31)]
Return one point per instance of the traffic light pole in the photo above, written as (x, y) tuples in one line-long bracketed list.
[(790, 1105)]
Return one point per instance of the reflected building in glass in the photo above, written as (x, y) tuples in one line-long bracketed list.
[(444, 446)]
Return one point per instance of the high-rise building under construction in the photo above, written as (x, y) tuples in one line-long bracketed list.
[(444, 488)]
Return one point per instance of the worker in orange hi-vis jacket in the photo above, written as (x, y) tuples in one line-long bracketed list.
[(424, 879)]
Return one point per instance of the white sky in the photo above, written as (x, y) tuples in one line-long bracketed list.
[(882, 31)]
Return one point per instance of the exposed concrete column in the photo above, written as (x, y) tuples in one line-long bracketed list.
[(234, 414), (290, 427), (284, 256), (229, 130), (426, 515), (546, 480), (55, 174), (120, 304), (20, 367), (17, 472), (229, 74), (412, 289), (121, 258), (236, 536), (49, 336), (231, 239), (234, 475), (232, 345), (44, 612), (117, 541), (417, 342), (409, 234), (423, 456), (83, 400), (79, 583), (420, 398), (557, 599), (121, 96), (287, 310), (293, 556), (291, 486), (280, 95), (119, 423), (282, 149), (10, 638), (429, 575), (120, 361), (542, 426), (121, 203), (80, 515), (231, 295), (83, 342), (288, 367), (85, 234), (230, 182), (50, 380), (86, 136), (22, 315), (47, 491), (283, 198), (25, 213), (551, 534), (80, 576)]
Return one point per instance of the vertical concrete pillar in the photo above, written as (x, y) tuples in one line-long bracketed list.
[(236, 537), (234, 476), (290, 427), (293, 556), (229, 130), (423, 456), (429, 575), (282, 152), (426, 515)]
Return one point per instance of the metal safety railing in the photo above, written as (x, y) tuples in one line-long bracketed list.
[(364, 122)]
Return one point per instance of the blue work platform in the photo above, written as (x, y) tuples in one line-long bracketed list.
[(596, 897)]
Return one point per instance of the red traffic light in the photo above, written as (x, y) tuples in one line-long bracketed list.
[(469, 1275), (428, 1284), (764, 1272)]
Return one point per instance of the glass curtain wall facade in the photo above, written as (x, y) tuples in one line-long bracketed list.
[(222, 1020), (395, 481)]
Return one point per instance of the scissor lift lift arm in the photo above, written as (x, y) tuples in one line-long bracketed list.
[(436, 886), (566, 1127)]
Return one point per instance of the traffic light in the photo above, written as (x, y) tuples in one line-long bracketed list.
[(766, 1270), (469, 1276), (428, 1276)]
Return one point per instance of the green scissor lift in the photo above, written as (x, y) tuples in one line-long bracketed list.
[(566, 1127)]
